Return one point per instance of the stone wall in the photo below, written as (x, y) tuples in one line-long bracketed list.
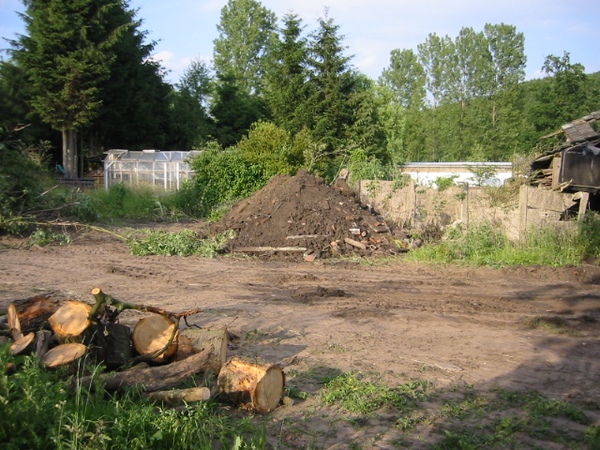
[(414, 206)]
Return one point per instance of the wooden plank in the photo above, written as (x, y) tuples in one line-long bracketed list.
[(270, 249), (356, 244)]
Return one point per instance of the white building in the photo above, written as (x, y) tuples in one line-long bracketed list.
[(473, 173)]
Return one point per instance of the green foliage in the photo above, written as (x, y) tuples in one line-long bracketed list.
[(364, 167), (444, 183), (126, 202), (271, 148), (183, 243), (22, 176), (286, 89), (190, 124), (356, 394), (39, 413), (225, 176), (552, 245), (245, 33), (43, 237)]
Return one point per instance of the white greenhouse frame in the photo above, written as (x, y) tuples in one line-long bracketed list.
[(163, 170)]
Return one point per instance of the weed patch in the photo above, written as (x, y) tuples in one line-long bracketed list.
[(38, 412), (183, 243)]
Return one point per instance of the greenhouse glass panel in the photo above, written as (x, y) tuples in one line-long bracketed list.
[(163, 170)]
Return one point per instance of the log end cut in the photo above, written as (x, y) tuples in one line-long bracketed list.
[(71, 319), (63, 354), (246, 383), (22, 345), (152, 334)]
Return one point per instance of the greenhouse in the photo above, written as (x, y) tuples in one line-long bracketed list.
[(164, 170)]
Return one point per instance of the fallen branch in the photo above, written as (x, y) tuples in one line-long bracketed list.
[(103, 301), (153, 378), (196, 394)]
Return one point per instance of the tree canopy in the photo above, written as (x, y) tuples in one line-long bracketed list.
[(85, 68)]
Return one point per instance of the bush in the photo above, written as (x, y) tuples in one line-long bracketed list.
[(22, 179), (223, 176)]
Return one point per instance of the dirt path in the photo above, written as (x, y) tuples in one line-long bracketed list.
[(450, 326)]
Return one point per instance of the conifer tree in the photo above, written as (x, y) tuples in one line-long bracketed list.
[(66, 55)]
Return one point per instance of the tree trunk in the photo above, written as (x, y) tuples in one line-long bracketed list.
[(14, 324), (111, 344), (257, 387), (23, 346), (69, 141), (153, 378), (194, 340), (42, 342)]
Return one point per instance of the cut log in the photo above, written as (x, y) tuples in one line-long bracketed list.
[(153, 378), (71, 319), (194, 340), (197, 394), (63, 354), (14, 324), (42, 342), (155, 337), (255, 386), (111, 344), (23, 346), (33, 312)]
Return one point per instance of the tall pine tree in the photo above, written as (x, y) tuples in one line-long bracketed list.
[(66, 55), (287, 89), (331, 106)]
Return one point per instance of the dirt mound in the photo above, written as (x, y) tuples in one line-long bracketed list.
[(304, 216)]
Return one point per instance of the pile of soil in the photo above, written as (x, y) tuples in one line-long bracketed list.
[(307, 217)]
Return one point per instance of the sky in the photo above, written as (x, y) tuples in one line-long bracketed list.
[(185, 29)]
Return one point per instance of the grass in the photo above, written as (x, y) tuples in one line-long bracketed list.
[(567, 243), (513, 419), (39, 412), (357, 394)]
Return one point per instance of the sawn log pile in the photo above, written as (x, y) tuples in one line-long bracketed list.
[(157, 355)]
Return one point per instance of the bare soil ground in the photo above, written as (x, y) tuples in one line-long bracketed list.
[(457, 328), (403, 321)]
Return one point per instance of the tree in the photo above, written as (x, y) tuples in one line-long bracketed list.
[(66, 55), (245, 32), (234, 111), (191, 124), (435, 56), (331, 106), (135, 99), (406, 78), (564, 98), (287, 89)]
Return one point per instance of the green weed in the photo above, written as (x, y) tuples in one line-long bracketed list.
[(183, 243), (43, 237), (355, 394), (568, 244), (40, 413)]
